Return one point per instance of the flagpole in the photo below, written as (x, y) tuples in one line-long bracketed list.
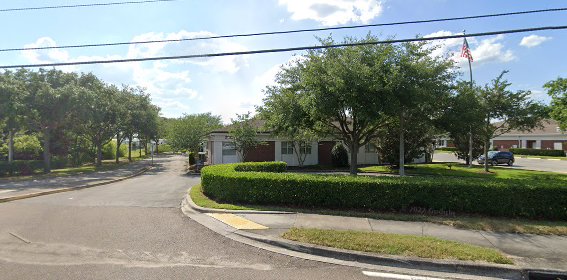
[(470, 127)]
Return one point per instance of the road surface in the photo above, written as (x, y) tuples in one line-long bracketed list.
[(134, 229)]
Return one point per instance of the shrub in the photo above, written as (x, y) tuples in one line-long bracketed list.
[(339, 155), (165, 148), (538, 152), (509, 198), (276, 167), (109, 150), (191, 158), (28, 167)]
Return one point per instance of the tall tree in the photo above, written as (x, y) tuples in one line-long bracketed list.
[(49, 101), (462, 116), (189, 131), (96, 102), (558, 91), (420, 83), (346, 91), (244, 135), (505, 110), (12, 107), (283, 112)]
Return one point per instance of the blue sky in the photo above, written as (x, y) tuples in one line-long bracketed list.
[(230, 85)]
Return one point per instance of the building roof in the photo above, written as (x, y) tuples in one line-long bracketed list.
[(550, 127)]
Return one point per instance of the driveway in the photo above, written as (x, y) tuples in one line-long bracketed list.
[(520, 163), (134, 229)]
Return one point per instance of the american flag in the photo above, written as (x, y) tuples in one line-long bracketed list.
[(466, 51)]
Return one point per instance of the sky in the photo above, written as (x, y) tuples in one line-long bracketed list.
[(227, 86)]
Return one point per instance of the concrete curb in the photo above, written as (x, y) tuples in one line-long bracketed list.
[(200, 209), (68, 189), (452, 266), (476, 269)]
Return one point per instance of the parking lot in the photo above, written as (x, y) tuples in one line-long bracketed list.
[(552, 165)]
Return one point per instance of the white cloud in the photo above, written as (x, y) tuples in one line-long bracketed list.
[(334, 12), (483, 51), (170, 82), (533, 40)]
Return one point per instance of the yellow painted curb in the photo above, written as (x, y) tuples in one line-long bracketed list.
[(236, 222)]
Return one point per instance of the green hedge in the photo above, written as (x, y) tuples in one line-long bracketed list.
[(277, 167), (538, 152), (508, 198), (28, 167), (448, 149)]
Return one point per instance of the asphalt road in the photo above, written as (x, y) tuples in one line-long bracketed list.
[(520, 163), (134, 229)]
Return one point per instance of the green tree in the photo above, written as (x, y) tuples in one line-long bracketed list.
[(558, 91), (50, 104), (462, 116), (345, 91), (420, 84), (189, 131), (283, 112), (505, 110), (12, 107), (96, 101), (244, 134)]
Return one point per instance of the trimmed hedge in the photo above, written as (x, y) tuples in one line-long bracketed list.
[(507, 198), (276, 167), (28, 167), (538, 152)]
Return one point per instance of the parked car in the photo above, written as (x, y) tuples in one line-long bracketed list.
[(496, 157)]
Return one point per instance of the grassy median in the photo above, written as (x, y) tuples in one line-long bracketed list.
[(463, 222), (396, 244)]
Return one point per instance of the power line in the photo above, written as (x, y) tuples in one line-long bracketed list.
[(510, 31), (82, 5), (286, 32)]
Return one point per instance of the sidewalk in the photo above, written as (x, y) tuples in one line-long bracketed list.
[(13, 189), (528, 251)]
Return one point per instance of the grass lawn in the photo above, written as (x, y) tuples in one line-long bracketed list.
[(396, 244), (461, 222), (109, 164), (461, 170)]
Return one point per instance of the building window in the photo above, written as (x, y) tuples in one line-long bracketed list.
[(228, 149), (306, 149), (287, 148), (370, 148)]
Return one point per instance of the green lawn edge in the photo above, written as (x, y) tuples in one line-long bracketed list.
[(396, 244), (489, 224)]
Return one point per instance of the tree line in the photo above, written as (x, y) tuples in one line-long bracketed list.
[(74, 115)]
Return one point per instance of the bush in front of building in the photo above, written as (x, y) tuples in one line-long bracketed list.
[(506, 198), (339, 155), (538, 152), (29, 167)]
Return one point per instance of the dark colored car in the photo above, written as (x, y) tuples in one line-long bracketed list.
[(496, 157)]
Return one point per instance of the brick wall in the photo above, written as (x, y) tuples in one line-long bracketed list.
[(548, 144), (505, 144), (263, 152)]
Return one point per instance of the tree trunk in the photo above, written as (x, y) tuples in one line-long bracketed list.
[(486, 145), (402, 145), (10, 145), (469, 161), (118, 143), (354, 157), (129, 149), (146, 147), (46, 152), (98, 154)]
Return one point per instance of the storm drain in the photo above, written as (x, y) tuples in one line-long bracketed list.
[(538, 275)]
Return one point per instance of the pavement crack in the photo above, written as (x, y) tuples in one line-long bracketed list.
[(20, 238), (487, 240)]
